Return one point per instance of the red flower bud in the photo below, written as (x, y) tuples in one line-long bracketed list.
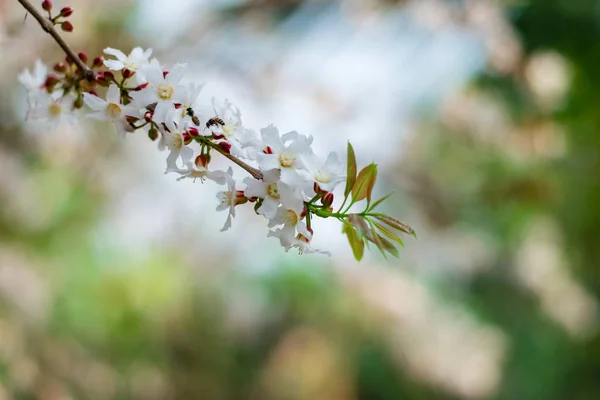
[(193, 131), (317, 188), (47, 5), (66, 26), (66, 11), (226, 147), (202, 161), (218, 137), (69, 60), (268, 150), (148, 116), (327, 199), (127, 73), (83, 57), (141, 87), (50, 81), (187, 139), (98, 61), (60, 67), (109, 76)]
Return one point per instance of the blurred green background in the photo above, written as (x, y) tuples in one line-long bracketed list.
[(483, 116)]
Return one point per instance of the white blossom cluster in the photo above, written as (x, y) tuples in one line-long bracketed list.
[(151, 97)]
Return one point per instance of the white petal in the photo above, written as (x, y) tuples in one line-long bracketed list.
[(117, 53), (114, 65), (94, 102), (114, 94)]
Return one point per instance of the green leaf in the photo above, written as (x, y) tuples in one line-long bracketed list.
[(351, 171), (389, 247), (360, 225), (381, 200), (357, 245), (396, 224), (375, 238), (391, 235), (364, 183)]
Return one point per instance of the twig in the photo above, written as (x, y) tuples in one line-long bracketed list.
[(256, 174), (48, 26)]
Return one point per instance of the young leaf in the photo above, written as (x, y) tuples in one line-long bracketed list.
[(362, 228), (389, 247), (375, 238), (357, 245), (364, 183), (391, 235), (351, 170), (396, 224), (381, 200)]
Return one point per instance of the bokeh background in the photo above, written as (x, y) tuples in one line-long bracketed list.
[(115, 282)]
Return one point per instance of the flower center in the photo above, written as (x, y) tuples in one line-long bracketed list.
[(165, 92), (228, 198), (174, 140), (54, 110), (113, 110), (287, 159), (322, 177), (132, 65), (229, 128), (273, 191), (291, 218)]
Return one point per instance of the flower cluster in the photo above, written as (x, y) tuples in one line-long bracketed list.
[(288, 184)]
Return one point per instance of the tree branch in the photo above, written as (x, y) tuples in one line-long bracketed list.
[(48, 26), (256, 174)]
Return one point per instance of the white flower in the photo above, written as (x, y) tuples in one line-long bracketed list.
[(54, 110), (228, 199), (273, 192), (172, 139), (163, 90), (284, 153), (34, 82), (195, 170), (244, 142), (291, 223), (189, 102), (326, 175), (110, 109), (136, 61), (300, 242)]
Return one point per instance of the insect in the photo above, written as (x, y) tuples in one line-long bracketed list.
[(194, 117), (215, 121)]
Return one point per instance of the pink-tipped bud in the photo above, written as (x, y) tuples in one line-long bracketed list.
[(83, 57), (98, 61), (50, 82), (202, 161), (193, 132), (148, 116), (226, 147), (153, 133), (268, 150), (69, 60), (327, 199), (60, 67), (127, 73), (66, 11), (187, 139), (141, 87), (66, 26), (47, 5), (317, 188), (109, 76), (165, 73)]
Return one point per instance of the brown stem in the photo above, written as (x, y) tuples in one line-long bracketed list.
[(48, 26), (256, 174)]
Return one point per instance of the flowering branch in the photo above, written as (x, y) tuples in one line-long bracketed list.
[(289, 185), (48, 24)]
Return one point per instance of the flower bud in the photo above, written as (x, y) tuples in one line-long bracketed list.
[(83, 57), (187, 139), (69, 60), (66, 26), (202, 161), (327, 199), (47, 5), (226, 147), (193, 132), (218, 137), (127, 73), (60, 67), (153, 134), (148, 116), (109, 76), (50, 82), (66, 11), (98, 61)]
